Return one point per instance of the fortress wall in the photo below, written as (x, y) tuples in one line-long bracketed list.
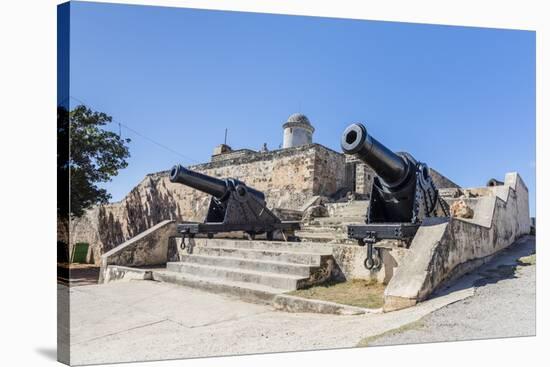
[(444, 249), (288, 177), (329, 173)]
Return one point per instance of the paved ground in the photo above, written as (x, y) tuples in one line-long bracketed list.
[(145, 320), (77, 274), (504, 305)]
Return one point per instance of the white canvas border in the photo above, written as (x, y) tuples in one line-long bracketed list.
[(28, 68)]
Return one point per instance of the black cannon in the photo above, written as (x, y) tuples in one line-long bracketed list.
[(494, 182), (403, 193), (233, 207)]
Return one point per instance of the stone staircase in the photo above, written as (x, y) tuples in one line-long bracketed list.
[(334, 227), (252, 270)]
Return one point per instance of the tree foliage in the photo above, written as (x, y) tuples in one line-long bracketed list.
[(95, 156)]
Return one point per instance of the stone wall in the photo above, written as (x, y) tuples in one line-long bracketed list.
[(148, 248), (440, 181), (364, 176), (445, 248), (360, 176), (235, 154), (288, 177), (329, 173), (501, 215)]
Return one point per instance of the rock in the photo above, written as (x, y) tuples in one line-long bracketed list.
[(460, 209), (469, 194), (313, 201), (313, 212), (351, 196), (450, 192)]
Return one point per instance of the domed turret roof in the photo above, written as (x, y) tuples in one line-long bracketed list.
[(298, 119)]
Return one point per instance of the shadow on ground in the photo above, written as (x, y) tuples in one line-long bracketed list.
[(49, 353), (502, 266), (75, 275)]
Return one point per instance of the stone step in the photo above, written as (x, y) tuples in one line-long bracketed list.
[(250, 292), (354, 208), (327, 226), (320, 234), (298, 247), (245, 264), (273, 280), (322, 229), (295, 257), (330, 221), (349, 213), (319, 237)]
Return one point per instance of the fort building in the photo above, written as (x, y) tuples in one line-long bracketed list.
[(329, 193), (289, 177)]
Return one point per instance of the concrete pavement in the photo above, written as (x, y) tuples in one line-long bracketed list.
[(146, 320), (504, 305)]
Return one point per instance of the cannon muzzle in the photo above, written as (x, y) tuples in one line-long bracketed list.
[(211, 185), (390, 167)]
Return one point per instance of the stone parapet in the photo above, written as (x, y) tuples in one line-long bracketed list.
[(149, 248), (443, 247)]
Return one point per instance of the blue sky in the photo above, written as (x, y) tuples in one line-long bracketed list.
[(461, 99)]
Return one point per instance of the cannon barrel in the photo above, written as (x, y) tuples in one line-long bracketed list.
[(390, 167), (210, 185), (494, 182)]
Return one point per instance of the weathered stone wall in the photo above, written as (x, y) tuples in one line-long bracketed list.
[(288, 177), (446, 248), (359, 176), (350, 259), (232, 155), (364, 176), (329, 173), (148, 248), (440, 181)]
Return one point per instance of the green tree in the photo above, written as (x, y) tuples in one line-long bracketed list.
[(96, 155), (87, 156)]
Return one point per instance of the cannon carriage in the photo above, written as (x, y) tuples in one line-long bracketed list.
[(234, 206), (403, 193)]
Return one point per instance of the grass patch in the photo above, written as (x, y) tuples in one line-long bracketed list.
[(411, 326), (356, 292), (528, 260)]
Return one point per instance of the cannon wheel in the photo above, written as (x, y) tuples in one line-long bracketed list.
[(187, 246), (373, 260), (373, 263)]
